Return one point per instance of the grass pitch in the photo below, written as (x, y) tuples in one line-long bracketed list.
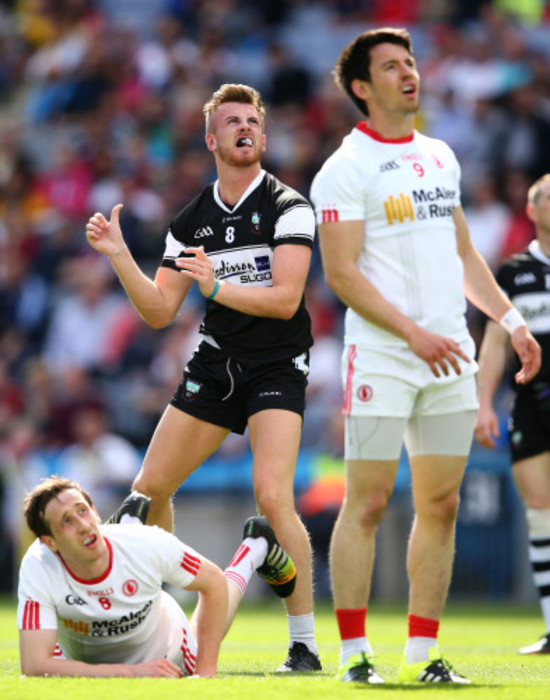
[(480, 641)]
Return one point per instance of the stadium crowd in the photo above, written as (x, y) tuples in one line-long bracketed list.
[(101, 103)]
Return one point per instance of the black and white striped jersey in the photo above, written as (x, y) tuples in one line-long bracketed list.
[(240, 242), (525, 277)]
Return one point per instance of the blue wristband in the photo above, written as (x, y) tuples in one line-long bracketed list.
[(215, 291)]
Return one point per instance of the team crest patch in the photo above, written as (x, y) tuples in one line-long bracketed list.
[(130, 587), (190, 390), (255, 222)]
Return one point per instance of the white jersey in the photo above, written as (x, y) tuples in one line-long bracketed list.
[(122, 617), (405, 190)]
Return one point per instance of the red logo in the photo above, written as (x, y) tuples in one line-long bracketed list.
[(364, 393), (330, 216), (130, 587)]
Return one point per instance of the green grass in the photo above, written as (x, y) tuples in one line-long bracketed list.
[(480, 641)]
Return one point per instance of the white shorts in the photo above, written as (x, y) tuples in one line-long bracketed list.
[(393, 395), (381, 438), (394, 382), (181, 642)]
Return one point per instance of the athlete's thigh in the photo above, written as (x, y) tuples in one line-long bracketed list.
[(445, 434), (438, 447), (532, 477), (368, 480), (275, 440), (179, 445), (436, 477), (373, 438)]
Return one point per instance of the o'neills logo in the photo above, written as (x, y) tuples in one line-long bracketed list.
[(364, 393)]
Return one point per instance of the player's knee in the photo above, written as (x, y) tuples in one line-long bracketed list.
[(443, 510), (156, 489), (274, 503), (370, 513)]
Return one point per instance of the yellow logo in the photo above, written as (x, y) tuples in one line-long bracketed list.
[(399, 209), (78, 626)]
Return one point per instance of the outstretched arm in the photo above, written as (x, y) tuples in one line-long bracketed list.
[(37, 659), (156, 301)]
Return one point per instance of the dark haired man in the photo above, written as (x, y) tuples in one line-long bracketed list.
[(396, 250), (91, 601)]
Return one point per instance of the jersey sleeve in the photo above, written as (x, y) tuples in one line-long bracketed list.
[(337, 193), (296, 225), (503, 278), (455, 166), (35, 608), (172, 249), (178, 563)]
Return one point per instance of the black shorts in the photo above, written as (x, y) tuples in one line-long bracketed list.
[(222, 391), (529, 427)]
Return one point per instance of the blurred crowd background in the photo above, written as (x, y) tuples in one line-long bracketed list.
[(101, 102)]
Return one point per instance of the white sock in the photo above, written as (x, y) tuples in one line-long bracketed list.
[(250, 555), (538, 522), (350, 647), (301, 628), (418, 649)]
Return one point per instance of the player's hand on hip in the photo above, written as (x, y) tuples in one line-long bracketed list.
[(529, 353), (198, 266), (157, 668), (439, 352), (105, 236), (487, 430)]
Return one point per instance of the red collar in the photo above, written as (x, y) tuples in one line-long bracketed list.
[(364, 127), (97, 580)]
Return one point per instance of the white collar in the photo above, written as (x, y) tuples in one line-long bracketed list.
[(536, 251), (255, 182)]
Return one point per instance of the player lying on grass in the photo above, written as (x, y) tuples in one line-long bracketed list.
[(91, 601)]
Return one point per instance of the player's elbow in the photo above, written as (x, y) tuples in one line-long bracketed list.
[(334, 281), (158, 319), (286, 311), (33, 667)]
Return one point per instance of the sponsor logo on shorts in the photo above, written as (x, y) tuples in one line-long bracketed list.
[(130, 587), (364, 393), (190, 390)]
